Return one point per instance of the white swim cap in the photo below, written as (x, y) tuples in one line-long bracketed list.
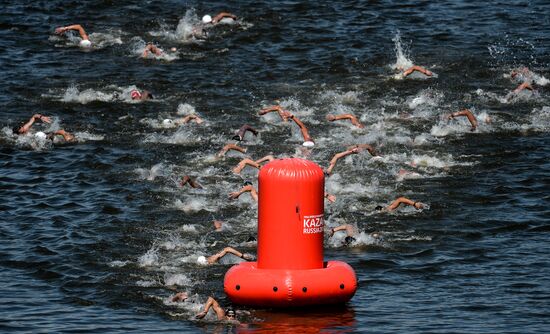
[(85, 43), (202, 260), (167, 122), (308, 144), (40, 135), (206, 19)]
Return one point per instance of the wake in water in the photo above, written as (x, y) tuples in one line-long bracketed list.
[(110, 93)]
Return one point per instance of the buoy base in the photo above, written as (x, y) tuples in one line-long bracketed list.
[(245, 284)]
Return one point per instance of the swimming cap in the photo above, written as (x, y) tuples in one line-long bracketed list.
[(308, 143), (135, 94), (40, 135), (167, 122), (202, 260), (85, 43), (206, 19)]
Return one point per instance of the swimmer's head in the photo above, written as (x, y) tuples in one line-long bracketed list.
[(135, 94), (16, 129), (251, 238), (237, 137), (230, 313), (173, 49), (206, 19), (308, 143), (202, 260), (379, 208), (348, 240), (167, 122), (247, 183), (85, 43), (40, 135)]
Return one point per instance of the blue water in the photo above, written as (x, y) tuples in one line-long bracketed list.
[(97, 235)]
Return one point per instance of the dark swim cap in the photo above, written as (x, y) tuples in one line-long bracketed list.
[(247, 183), (230, 312), (348, 240), (379, 208)]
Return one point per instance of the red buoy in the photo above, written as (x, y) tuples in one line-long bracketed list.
[(290, 270)]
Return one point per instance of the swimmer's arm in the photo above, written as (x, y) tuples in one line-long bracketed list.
[(27, 126), (245, 128), (266, 158), (223, 15), (303, 128), (270, 109), (403, 200), (228, 147), (352, 118), (247, 188), (417, 68), (523, 86), (346, 227), (189, 118), (243, 163), (151, 48), (188, 180), (66, 135), (212, 303), (76, 27), (468, 114), (367, 147), (179, 297), (285, 115), (339, 156)]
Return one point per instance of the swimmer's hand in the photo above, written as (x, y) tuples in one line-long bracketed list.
[(331, 198), (201, 315), (180, 297), (234, 195), (331, 233), (331, 117), (60, 30)]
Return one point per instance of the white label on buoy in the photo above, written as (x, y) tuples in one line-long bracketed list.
[(314, 224)]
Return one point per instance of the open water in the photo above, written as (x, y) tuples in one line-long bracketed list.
[(97, 235)]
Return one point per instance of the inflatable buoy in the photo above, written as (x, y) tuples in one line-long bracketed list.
[(290, 270)]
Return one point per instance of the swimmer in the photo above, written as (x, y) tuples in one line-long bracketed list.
[(354, 149), (152, 49), (25, 127), (227, 250), (401, 200), (227, 314), (352, 118), (85, 42), (249, 162), (229, 147), (207, 19), (218, 225), (136, 95), (188, 180), (467, 113), (242, 131), (246, 188)]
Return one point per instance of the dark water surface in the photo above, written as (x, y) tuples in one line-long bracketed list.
[(97, 235)]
